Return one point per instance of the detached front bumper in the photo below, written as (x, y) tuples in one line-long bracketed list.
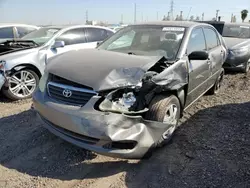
[(110, 134), (2, 80)]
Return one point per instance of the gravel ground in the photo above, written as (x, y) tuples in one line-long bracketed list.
[(211, 148)]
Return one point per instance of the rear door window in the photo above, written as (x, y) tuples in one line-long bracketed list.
[(96, 34), (196, 41), (211, 38), (73, 36), (6, 32)]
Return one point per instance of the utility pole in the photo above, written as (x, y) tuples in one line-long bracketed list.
[(172, 9), (142, 17), (135, 14), (202, 16), (189, 13), (181, 16), (157, 16), (121, 18), (216, 17), (87, 17)]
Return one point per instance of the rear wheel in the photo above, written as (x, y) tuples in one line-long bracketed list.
[(22, 84), (165, 109), (216, 88)]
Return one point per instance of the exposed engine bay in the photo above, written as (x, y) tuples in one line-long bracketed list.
[(16, 45)]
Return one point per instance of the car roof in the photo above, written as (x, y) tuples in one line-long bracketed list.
[(75, 26), (16, 24), (225, 23), (186, 24)]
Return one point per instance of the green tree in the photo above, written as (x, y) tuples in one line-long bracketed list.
[(244, 14)]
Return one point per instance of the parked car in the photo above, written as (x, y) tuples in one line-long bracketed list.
[(237, 39), (15, 31), (124, 100), (24, 60)]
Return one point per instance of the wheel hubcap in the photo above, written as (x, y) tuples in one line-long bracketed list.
[(22, 84), (170, 118)]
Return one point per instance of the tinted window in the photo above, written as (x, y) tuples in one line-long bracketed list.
[(211, 38), (73, 36), (6, 32), (96, 34), (196, 41), (22, 31), (236, 31)]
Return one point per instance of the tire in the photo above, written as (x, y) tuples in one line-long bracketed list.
[(159, 109), (216, 87), (22, 84), (246, 67)]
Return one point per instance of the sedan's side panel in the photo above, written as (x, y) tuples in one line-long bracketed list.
[(198, 69), (216, 53)]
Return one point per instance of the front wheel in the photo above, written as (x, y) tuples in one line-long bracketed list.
[(165, 109), (22, 84), (246, 67)]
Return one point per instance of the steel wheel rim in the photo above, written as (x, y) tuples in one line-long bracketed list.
[(22, 83), (170, 118)]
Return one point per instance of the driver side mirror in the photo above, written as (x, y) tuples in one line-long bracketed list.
[(58, 44), (198, 55)]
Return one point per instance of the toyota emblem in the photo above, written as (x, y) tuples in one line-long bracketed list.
[(67, 93)]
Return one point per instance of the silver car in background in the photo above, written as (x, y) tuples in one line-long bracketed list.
[(22, 62), (15, 30)]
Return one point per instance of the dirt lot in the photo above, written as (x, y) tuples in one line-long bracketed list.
[(210, 149)]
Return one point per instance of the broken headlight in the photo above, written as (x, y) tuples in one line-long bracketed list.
[(120, 101)]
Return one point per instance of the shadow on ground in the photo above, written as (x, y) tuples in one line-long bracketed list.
[(211, 149)]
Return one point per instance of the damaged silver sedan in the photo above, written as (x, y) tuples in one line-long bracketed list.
[(125, 98)]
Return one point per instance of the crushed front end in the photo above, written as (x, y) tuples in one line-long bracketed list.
[(111, 121)]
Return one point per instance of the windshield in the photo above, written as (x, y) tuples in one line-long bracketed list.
[(236, 31), (42, 35), (146, 40)]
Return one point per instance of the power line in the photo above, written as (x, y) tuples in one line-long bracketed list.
[(135, 14)]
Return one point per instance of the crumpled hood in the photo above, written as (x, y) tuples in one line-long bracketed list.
[(101, 69), (233, 43)]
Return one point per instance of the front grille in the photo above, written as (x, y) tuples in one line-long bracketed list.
[(69, 94)]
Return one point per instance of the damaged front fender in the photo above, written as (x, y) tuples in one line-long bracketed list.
[(141, 86)]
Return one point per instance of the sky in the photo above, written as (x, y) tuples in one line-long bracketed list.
[(40, 12)]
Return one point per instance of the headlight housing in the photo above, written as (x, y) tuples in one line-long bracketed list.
[(43, 81), (240, 51)]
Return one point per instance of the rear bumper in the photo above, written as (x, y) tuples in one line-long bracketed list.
[(110, 134)]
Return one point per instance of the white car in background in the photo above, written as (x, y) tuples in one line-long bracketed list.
[(15, 31), (22, 61)]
